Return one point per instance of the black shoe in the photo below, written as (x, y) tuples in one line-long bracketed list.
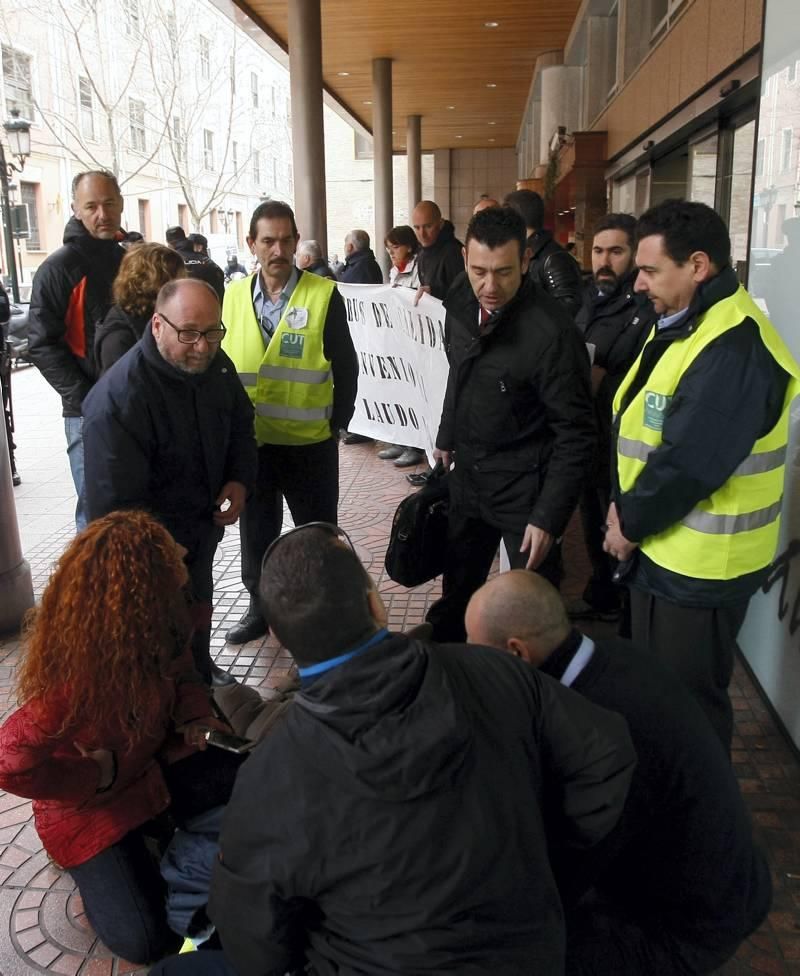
[(15, 479), (410, 457), (391, 452), (251, 626), (220, 677), (357, 439), (417, 480)]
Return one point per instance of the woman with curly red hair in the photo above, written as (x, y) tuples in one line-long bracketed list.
[(144, 269), (111, 720)]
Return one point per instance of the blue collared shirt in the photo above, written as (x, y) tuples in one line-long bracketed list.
[(667, 320), (268, 312)]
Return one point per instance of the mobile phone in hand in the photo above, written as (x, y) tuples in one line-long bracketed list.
[(231, 743)]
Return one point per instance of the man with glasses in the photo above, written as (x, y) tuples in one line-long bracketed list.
[(290, 342), (169, 429), (396, 820)]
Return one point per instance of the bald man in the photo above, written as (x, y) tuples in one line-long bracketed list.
[(682, 884), (169, 428), (440, 259)]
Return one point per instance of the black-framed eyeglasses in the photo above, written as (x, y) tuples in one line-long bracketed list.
[(191, 337), (334, 530)]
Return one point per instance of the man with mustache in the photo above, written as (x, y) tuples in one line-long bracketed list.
[(615, 320), (290, 342), (71, 292)]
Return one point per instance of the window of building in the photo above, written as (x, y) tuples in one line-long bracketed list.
[(205, 58), (144, 218), (256, 167), (760, 158), (613, 26), (138, 137), (17, 80), (254, 89), (702, 177), (86, 100), (662, 13), (239, 228), (183, 216), (235, 155), (177, 138), (28, 194), (786, 150), (208, 149)]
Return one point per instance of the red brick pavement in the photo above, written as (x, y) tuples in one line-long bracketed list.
[(47, 931)]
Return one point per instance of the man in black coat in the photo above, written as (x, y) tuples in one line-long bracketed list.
[(402, 797), (552, 267), (616, 321), (517, 418), (71, 293), (308, 257), (680, 884), (360, 266), (169, 429), (198, 263), (440, 258)]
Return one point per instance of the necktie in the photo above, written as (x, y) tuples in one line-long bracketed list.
[(484, 316)]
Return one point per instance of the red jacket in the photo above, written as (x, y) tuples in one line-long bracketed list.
[(73, 820)]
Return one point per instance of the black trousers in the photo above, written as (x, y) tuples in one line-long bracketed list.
[(308, 478), (471, 547), (199, 561), (602, 940), (698, 644)]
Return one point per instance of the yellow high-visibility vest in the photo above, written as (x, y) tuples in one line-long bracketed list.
[(735, 531), (290, 381)]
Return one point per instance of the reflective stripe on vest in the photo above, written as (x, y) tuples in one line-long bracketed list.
[(293, 413), (294, 375), (289, 381), (735, 530)]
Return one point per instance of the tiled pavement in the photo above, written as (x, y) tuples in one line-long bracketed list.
[(42, 927)]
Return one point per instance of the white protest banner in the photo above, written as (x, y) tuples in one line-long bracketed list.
[(401, 361)]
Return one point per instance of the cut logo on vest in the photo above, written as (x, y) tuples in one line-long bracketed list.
[(292, 345), (655, 406)]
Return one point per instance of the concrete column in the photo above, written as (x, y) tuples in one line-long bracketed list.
[(382, 156), (16, 588), (308, 138), (414, 151)]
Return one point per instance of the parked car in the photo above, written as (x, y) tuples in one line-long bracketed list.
[(18, 332)]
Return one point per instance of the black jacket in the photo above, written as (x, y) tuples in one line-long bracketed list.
[(71, 293), (555, 270), (361, 268), (731, 395), (201, 266), (682, 858), (115, 335), (517, 410), (166, 441), (617, 325), (441, 263), (322, 269), (400, 826)]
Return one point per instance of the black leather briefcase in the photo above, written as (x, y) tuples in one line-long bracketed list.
[(418, 539)]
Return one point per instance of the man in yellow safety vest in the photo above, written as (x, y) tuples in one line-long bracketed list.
[(701, 429), (288, 337)]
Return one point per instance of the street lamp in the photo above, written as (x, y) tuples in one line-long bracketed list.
[(19, 143)]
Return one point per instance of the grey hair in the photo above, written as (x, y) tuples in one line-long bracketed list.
[(311, 248), (359, 239), (104, 173)]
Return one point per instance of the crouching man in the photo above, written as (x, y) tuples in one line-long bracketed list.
[(394, 821), (682, 884)]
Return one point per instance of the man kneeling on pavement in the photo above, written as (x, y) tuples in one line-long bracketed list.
[(358, 837), (680, 884)]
